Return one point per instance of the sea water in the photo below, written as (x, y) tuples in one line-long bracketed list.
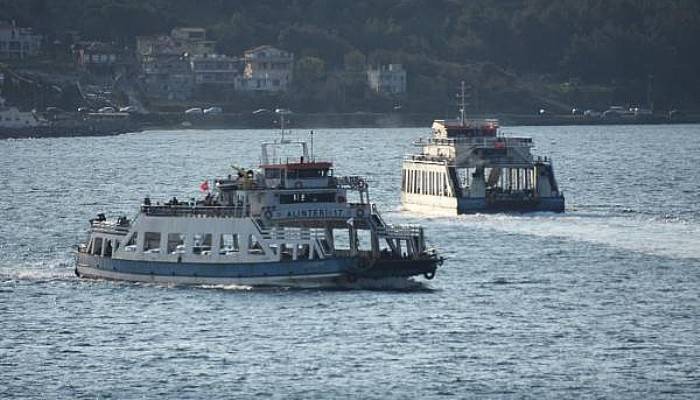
[(602, 301)]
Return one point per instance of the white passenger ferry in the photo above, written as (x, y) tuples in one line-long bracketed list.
[(287, 223), (468, 166)]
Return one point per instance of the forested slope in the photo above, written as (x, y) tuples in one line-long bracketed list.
[(497, 44)]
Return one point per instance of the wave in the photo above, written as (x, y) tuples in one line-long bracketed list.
[(653, 235), (59, 269)]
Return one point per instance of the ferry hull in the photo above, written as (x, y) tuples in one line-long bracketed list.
[(471, 206), (303, 274), (450, 206)]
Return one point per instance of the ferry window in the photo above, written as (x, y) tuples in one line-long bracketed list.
[(151, 242), (325, 246), (307, 198), (341, 239), (403, 180), (364, 240), (273, 173), (108, 248), (419, 181), (229, 243), (312, 173), (202, 244), (131, 244), (176, 243), (254, 246), (426, 182), (429, 178), (97, 246)]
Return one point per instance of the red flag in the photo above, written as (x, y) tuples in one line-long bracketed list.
[(204, 187)]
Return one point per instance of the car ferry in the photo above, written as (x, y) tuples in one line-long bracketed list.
[(290, 222), (469, 166)]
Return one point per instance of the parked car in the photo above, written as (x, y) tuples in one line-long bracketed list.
[(194, 111), (261, 111), (576, 111), (128, 109), (592, 114), (614, 112), (84, 110), (54, 110), (213, 111), (106, 110)]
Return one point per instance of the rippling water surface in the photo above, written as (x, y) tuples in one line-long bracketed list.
[(600, 302)]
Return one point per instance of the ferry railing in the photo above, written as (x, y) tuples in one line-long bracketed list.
[(400, 231), (476, 141), (288, 233), (354, 182), (110, 227), (185, 210)]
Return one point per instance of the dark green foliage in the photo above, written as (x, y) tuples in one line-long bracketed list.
[(593, 42)]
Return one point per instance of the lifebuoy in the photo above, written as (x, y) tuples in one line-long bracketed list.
[(299, 185), (361, 184), (268, 214), (429, 275), (360, 213)]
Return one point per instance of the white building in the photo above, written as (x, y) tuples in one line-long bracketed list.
[(267, 69), (18, 43), (215, 69), (387, 79)]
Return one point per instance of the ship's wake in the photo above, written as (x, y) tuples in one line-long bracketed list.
[(664, 237), (60, 269)]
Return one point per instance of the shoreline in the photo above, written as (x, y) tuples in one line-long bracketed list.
[(178, 121)]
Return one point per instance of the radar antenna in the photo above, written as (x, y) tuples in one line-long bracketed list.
[(283, 112), (462, 104)]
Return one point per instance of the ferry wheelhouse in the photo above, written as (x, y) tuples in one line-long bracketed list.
[(287, 223), (468, 166)]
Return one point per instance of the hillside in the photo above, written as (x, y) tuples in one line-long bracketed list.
[(516, 54)]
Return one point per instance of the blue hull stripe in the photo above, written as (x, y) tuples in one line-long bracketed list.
[(466, 205), (246, 270)]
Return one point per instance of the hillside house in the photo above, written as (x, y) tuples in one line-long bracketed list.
[(267, 69)]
